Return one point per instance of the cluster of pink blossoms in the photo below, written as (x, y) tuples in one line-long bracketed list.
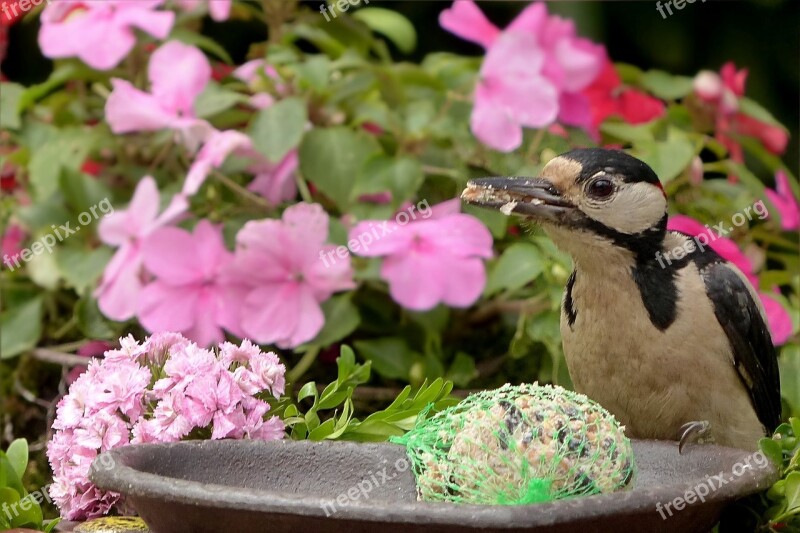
[(163, 390)]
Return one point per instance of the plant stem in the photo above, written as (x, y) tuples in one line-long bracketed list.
[(533, 149), (241, 191), (302, 365)]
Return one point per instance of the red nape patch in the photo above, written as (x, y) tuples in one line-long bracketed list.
[(658, 184)]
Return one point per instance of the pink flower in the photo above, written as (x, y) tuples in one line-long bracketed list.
[(252, 73), (219, 10), (187, 294), (275, 182), (533, 73), (720, 94), (100, 33), (779, 321), (287, 280), (178, 73), (121, 284), (432, 260), (160, 391), (785, 202), (11, 245)]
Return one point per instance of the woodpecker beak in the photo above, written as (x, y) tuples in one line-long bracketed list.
[(532, 197)]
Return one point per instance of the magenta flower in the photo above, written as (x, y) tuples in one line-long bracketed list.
[(785, 202), (178, 73), (100, 33), (121, 284), (779, 321), (219, 10), (187, 294), (160, 391), (431, 260), (287, 280), (11, 245), (533, 73)]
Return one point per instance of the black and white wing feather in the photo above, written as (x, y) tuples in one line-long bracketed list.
[(753, 352)]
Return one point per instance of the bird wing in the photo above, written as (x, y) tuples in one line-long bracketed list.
[(753, 352)]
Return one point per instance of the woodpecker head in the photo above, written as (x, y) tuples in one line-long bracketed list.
[(586, 199)]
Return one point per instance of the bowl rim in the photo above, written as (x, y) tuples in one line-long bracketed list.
[(138, 484)]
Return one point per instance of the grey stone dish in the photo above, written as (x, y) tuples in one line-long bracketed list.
[(288, 486)]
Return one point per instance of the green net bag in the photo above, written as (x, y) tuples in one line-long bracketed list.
[(519, 445)]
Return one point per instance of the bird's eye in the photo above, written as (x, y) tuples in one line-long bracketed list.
[(601, 188)]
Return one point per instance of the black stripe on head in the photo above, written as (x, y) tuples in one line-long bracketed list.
[(594, 160)]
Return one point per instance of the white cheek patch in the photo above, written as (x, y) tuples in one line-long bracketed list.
[(634, 208)]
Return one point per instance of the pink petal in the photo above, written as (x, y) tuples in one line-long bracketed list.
[(119, 290), (128, 109), (495, 127), (211, 253), (531, 20), (446, 208), (164, 307), (178, 74), (785, 202), (779, 320), (171, 255), (308, 223), (220, 9), (156, 23), (380, 237), (574, 110), (284, 314), (206, 330), (465, 281), (458, 235), (581, 62), (466, 20), (416, 280), (276, 182)]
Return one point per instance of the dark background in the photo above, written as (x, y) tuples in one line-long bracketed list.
[(760, 35)]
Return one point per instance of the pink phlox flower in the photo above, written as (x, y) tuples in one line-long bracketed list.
[(121, 284), (100, 33), (286, 277), (431, 261)]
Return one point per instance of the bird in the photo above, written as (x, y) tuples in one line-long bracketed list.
[(656, 327)]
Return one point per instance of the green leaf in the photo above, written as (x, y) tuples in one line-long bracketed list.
[(81, 268), (390, 23), (667, 158), (332, 159), (10, 97), (496, 221), (666, 86), (308, 390), (341, 319), (346, 362), (21, 327), (202, 42), (628, 132), (91, 321), (792, 492), (279, 128), (391, 357), (86, 196), (462, 370), (216, 99), (67, 150), (401, 176), (771, 449), (44, 271), (520, 264), (17, 454)]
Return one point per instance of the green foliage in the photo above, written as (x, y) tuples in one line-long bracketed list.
[(19, 508), (331, 415)]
